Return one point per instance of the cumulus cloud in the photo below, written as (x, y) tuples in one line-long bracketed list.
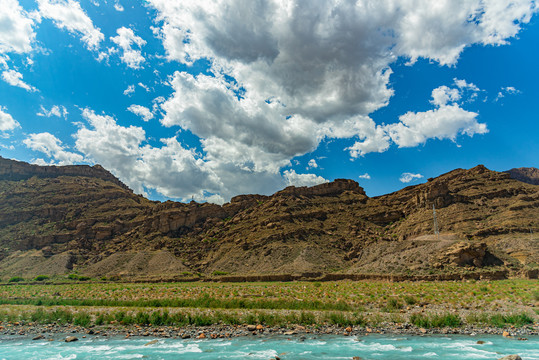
[(295, 179), (171, 169), (408, 177), (125, 40), (7, 123), (14, 78), (312, 164), (16, 28), (130, 90), (51, 146), (446, 121), (365, 176), (508, 90), (118, 7), (69, 15), (141, 111), (56, 110), (284, 74)]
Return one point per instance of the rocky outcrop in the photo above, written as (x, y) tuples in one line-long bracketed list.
[(468, 254), (528, 175), (333, 188), (17, 170)]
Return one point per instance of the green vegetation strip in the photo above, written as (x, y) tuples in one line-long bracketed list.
[(205, 302), (307, 318)]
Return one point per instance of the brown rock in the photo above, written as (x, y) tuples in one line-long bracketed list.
[(71, 339)]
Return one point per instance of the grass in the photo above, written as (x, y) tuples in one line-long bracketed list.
[(500, 320), (435, 320), (179, 318), (340, 302)]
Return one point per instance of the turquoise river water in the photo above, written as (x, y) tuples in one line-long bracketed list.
[(313, 347)]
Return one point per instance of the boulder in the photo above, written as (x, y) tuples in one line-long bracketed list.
[(71, 339), (510, 357)]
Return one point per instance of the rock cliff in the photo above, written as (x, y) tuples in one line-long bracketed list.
[(61, 219)]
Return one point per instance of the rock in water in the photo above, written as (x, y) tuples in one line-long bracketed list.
[(511, 357), (71, 339), (151, 342)]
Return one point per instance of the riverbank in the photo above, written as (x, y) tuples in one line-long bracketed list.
[(54, 331)]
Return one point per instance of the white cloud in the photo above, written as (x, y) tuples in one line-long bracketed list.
[(443, 94), (51, 146), (56, 110), (365, 176), (372, 139), (286, 75), (463, 84), (3, 61), (144, 87), (7, 123), (69, 15), (16, 28), (141, 111), (118, 7), (130, 90), (446, 122), (508, 90), (14, 78), (172, 170), (304, 72), (125, 40), (312, 164), (408, 177), (511, 90), (295, 179)]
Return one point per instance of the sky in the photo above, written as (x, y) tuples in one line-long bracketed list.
[(206, 100)]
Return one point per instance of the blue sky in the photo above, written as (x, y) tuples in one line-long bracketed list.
[(207, 100)]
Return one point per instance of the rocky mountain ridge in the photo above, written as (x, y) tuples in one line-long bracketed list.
[(56, 220)]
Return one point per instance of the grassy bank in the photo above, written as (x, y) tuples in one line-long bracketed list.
[(151, 317)]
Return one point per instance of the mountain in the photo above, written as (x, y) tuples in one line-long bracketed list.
[(56, 220), (528, 175)]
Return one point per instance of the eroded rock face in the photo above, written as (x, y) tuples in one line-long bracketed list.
[(334, 188), (468, 254), (325, 228), (18, 170), (436, 193), (528, 175)]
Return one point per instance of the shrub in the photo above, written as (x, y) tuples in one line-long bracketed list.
[(392, 305), (16, 279), (410, 300), (446, 320), (82, 319), (218, 273), (41, 278)]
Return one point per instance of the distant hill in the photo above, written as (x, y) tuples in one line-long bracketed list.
[(55, 220), (528, 175)]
